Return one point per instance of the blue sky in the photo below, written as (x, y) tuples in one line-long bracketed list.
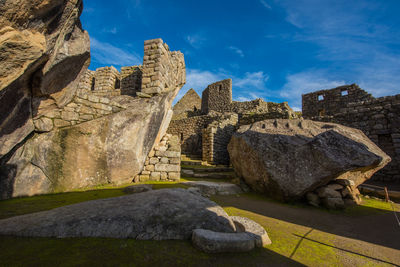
[(272, 49)]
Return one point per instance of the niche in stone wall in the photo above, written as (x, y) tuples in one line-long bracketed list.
[(117, 84), (321, 112), (93, 84)]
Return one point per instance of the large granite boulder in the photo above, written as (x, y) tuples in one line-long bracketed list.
[(111, 149), (288, 158), (153, 215), (43, 54)]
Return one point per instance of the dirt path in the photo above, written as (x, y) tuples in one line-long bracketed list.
[(356, 238)]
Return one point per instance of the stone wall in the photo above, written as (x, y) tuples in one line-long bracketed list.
[(215, 139), (131, 80), (163, 70), (378, 118), (217, 97), (163, 162), (189, 132), (330, 102), (257, 105)]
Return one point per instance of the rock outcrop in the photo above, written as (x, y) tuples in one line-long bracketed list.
[(288, 158), (58, 130), (44, 52), (162, 214)]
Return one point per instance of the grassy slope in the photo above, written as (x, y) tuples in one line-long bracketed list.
[(288, 247)]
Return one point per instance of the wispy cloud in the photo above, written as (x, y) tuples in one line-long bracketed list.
[(196, 40), (236, 50), (252, 80), (306, 82), (265, 4), (107, 54), (354, 46), (112, 30)]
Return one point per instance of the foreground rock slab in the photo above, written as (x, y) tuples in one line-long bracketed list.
[(153, 215), (288, 158), (248, 236)]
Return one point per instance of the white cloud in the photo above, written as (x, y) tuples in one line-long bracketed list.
[(195, 40), (106, 54), (306, 82), (236, 50), (251, 80), (111, 30), (265, 4)]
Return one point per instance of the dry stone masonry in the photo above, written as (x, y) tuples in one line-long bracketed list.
[(378, 118), (163, 162), (205, 130)]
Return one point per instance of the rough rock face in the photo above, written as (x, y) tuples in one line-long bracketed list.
[(111, 149), (288, 158), (43, 53), (162, 214), (56, 135)]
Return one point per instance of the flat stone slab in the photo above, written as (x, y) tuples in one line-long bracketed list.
[(248, 236), (216, 242), (139, 188), (212, 188), (251, 227), (153, 215)]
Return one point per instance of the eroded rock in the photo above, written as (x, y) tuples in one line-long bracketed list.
[(288, 158)]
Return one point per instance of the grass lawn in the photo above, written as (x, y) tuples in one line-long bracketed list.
[(313, 240)]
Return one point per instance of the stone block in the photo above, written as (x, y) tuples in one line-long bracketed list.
[(174, 176), (154, 160), (144, 178), (164, 176), (43, 124), (149, 168), (168, 154), (174, 160), (146, 172), (164, 160), (167, 168), (93, 98), (61, 123), (86, 117), (102, 106), (155, 176), (152, 90), (69, 116)]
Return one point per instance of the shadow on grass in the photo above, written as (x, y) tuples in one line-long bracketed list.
[(18, 251), (304, 237), (373, 225)]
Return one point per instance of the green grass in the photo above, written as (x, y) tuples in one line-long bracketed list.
[(291, 243)]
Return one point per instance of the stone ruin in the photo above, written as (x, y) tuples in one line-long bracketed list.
[(205, 128), (378, 118), (103, 134)]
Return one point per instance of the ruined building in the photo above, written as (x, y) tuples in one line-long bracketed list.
[(205, 125), (378, 118)]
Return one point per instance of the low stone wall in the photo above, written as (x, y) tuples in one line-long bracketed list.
[(163, 162), (215, 139), (257, 105)]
